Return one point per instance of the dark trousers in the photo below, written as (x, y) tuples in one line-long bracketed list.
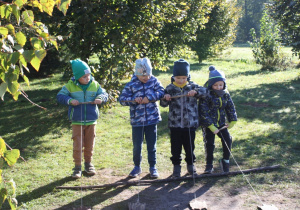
[(182, 137), (150, 134), (209, 144)]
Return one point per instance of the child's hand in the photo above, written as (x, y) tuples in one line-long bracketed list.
[(216, 131), (167, 97), (74, 102), (145, 100), (138, 100), (192, 93), (97, 101)]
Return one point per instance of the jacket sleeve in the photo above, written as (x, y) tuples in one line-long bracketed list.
[(162, 102), (102, 94), (204, 118), (126, 95), (158, 92), (202, 92), (230, 110), (63, 96)]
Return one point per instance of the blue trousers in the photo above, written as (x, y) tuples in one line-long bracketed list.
[(150, 134)]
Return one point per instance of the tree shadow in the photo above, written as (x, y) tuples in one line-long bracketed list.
[(29, 123), (173, 194)]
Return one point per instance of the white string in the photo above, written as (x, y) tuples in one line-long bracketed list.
[(81, 139), (194, 183), (139, 183), (241, 169)]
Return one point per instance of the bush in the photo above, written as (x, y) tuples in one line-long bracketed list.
[(267, 49)]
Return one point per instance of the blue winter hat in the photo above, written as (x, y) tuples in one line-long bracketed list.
[(215, 76), (181, 68), (143, 67), (79, 68)]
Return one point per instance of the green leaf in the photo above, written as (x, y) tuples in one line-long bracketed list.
[(28, 55), (13, 203), (37, 43), (28, 17), (21, 38), (20, 3), (64, 5), (16, 12), (11, 156), (14, 57), (26, 79), (11, 29), (4, 31), (3, 194), (11, 186), (7, 11), (3, 88), (40, 54), (53, 41), (2, 147), (35, 62)]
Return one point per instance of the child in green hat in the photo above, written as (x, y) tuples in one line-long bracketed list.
[(82, 88)]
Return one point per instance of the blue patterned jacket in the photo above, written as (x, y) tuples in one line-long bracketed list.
[(213, 110), (142, 114)]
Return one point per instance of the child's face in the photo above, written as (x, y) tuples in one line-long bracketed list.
[(218, 85), (143, 78), (180, 80), (84, 80)]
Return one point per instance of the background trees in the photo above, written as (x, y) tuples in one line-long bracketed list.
[(218, 33), (287, 13)]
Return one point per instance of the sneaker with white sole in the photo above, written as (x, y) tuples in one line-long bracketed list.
[(89, 169), (153, 172), (209, 168), (135, 171), (76, 172)]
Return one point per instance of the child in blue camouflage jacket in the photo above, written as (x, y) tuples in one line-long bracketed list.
[(140, 94), (214, 111)]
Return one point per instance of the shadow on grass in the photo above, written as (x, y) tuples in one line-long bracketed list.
[(276, 103), (28, 123), (173, 194)]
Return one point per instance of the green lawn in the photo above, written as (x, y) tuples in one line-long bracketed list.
[(267, 133)]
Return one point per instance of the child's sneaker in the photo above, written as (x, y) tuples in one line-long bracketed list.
[(89, 169), (224, 165), (176, 171), (135, 171), (191, 169), (209, 168), (76, 172), (153, 172)]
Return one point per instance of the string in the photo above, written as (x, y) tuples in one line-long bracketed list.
[(194, 182), (239, 166), (81, 139)]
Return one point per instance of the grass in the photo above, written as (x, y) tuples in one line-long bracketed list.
[(267, 133)]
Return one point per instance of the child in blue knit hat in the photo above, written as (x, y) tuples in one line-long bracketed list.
[(82, 94), (217, 111), (181, 96), (140, 95)]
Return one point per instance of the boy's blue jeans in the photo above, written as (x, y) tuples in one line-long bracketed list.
[(150, 133)]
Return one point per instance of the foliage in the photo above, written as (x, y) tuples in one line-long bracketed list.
[(266, 50), (287, 13), (218, 33), (8, 188), (24, 40), (252, 11), (119, 32)]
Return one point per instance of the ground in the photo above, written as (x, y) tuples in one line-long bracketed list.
[(178, 195)]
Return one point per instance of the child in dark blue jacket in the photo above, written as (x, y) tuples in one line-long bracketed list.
[(217, 111), (82, 88), (140, 94)]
